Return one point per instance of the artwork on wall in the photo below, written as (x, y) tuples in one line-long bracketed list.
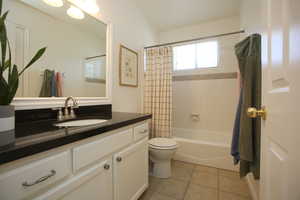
[(128, 70)]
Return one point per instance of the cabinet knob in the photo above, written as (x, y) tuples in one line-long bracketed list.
[(106, 166), (119, 159)]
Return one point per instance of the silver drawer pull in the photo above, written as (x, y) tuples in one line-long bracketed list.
[(42, 179), (144, 131)]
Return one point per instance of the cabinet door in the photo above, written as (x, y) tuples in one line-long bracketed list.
[(95, 183), (131, 171)]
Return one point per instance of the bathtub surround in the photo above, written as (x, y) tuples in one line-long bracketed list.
[(158, 90), (232, 75), (208, 148), (247, 130), (210, 93)]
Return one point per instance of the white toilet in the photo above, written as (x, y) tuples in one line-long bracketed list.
[(161, 152)]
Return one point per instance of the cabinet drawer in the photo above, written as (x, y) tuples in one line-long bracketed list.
[(95, 183), (93, 151), (141, 131), (26, 181)]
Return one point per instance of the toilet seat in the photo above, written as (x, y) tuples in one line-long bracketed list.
[(162, 143)]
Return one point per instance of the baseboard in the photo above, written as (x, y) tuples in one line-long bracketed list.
[(252, 187)]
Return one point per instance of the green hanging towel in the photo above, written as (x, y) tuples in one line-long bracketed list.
[(46, 85), (248, 53)]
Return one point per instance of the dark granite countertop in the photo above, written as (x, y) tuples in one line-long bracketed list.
[(45, 136)]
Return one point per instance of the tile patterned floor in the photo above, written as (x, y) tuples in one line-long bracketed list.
[(196, 182)]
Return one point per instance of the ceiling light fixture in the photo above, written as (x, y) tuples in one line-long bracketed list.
[(75, 13), (54, 3), (90, 7)]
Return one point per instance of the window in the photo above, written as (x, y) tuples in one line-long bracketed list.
[(196, 56), (95, 69)]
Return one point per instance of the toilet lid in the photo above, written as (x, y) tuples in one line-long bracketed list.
[(162, 143)]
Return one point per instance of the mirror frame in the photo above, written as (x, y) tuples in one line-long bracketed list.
[(26, 103)]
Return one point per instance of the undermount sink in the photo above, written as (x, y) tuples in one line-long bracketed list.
[(76, 123)]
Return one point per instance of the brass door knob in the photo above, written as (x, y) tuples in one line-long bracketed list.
[(254, 113)]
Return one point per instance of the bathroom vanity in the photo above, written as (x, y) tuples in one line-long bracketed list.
[(107, 161), (56, 156)]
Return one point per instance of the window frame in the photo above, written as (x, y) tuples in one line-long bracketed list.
[(196, 68)]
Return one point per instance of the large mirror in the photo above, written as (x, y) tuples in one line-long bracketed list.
[(75, 60)]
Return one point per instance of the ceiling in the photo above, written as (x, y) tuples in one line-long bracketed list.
[(169, 14), (89, 24)]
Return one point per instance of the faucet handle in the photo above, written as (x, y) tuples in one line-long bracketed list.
[(75, 104), (60, 115), (66, 112), (72, 113)]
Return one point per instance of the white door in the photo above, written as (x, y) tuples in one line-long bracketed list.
[(280, 164), (19, 39), (131, 171)]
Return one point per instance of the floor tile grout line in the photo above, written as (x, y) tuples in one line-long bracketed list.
[(189, 182)]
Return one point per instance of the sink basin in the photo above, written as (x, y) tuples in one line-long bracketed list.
[(76, 123)]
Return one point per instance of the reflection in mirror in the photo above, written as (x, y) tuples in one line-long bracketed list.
[(75, 61)]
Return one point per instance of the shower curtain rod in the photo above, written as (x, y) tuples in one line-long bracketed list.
[(88, 58), (196, 39)]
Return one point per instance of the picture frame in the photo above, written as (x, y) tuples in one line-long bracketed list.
[(128, 67)]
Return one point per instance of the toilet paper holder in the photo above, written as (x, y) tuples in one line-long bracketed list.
[(195, 116)]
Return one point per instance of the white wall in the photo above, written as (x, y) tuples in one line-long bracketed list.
[(250, 16), (225, 25), (132, 30), (215, 100)]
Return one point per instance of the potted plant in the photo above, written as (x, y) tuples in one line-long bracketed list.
[(9, 83)]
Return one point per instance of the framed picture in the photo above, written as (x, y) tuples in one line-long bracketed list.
[(128, 69)]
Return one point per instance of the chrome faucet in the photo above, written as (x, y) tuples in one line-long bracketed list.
[(71, 114)]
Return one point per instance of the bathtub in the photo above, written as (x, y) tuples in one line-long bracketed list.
[(204, 147)]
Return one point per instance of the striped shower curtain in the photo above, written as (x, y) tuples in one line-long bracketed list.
[(158, 90)]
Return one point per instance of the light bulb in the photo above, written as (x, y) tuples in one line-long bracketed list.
[(54, 3), (90, 7), (75, 13)]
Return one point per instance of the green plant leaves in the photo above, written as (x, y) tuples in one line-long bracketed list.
[(3, 40), (9, 87), (37, 56), (0, 7), (13, 83)]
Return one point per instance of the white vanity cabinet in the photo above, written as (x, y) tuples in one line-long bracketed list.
[(131, 171), (26, 181), (92, 184), (109, 166)]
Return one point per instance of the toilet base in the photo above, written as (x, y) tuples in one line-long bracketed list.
[(162, 169)]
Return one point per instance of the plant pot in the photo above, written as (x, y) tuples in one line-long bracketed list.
[(7, 126)]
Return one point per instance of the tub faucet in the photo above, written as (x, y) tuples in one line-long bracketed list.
[(70, 115)]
